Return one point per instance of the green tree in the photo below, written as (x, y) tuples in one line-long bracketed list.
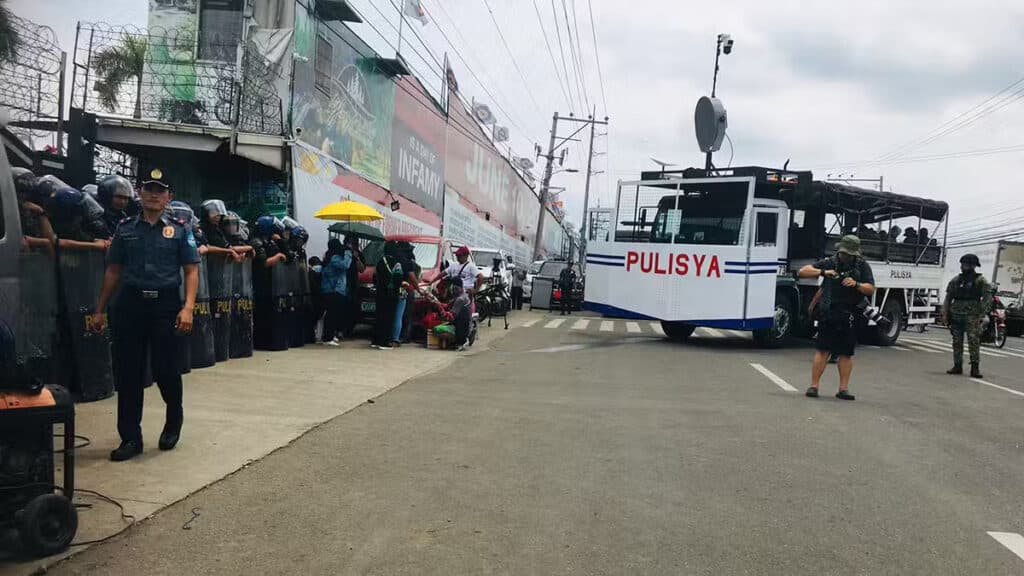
[(118, 64), (8, 34)]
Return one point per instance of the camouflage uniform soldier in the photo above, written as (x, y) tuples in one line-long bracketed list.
[(965, 306)]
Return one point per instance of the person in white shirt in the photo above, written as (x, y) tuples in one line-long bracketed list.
[(465, 269)]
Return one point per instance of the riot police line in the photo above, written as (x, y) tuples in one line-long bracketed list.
[(258, 297)]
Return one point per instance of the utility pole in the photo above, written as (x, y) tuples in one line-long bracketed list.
[(590, 161), (553, 146)]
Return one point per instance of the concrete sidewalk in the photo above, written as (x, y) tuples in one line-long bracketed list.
[(235, 413)]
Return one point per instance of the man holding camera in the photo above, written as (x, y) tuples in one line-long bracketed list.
[(847, 281)]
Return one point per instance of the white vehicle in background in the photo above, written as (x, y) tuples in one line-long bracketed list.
[(487, 258), (530, 274), (721, 249)]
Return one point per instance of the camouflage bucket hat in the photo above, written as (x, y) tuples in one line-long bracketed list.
[(850, 244)]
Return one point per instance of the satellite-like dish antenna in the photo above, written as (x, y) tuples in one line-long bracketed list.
[(662, 163), (525, 163), (710, 121)]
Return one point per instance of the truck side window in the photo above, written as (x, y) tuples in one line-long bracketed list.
[(767, 230)]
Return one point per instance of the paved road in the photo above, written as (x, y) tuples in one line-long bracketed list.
[(590, 451)]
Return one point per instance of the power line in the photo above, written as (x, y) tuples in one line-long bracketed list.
[(441, 75), (936, 132), (482, 85), (522, 76), (581, 88), (561, 51), (579, 53), (943, 156), (597, 56), (551, 53)]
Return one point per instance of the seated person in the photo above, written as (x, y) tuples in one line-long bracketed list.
[(460, 310), (894, 234), (910, 236), (922, 236)]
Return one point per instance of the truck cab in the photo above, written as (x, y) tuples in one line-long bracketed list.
[(721, 248)]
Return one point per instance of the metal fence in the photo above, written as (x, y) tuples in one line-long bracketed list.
[(154, 74), (32, 85)]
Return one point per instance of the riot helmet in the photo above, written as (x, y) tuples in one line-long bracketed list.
[(230, 225), (91, 207), (212, 210), (66, 202), (289, 223), (299, 237), (267, 226), (111, 187), (970, 260), (181, 211), (48, 185)]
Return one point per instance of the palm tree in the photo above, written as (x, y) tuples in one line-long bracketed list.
[(8, 34), (117, 64)]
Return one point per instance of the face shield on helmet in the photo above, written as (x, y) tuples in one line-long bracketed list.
[(111, 187), (48, 185), (92, 208), (182, 211), (289, 223), (229, 224), (90, 190), (299, 237), (267, 226), (213, 209), (25, 184)]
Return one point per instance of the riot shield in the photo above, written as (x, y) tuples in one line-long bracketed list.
[(28, 320), (241, 309), (88, 366), (281, 316), (219, 272), (201, 337), (301, 303)]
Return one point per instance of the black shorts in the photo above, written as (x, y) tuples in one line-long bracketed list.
[(837, 334)]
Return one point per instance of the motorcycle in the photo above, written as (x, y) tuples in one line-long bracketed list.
[(494, 299), (993, 328)]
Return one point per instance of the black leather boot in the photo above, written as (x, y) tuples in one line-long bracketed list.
[(956, 369), (975, 371)]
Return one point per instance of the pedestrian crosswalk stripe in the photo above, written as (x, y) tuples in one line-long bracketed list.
[(1004, 352), (580, 325), (1012, 541), (738, 333), (1014, 349), (711, 332), (607, 326), (554, 323), (656, 328), (919, 348), (903, 348), (632, 327), (529, 323), (947, 347)]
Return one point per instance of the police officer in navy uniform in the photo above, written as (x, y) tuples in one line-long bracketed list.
[(146, 257)]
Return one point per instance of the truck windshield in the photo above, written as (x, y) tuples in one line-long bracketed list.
[(702, 215)]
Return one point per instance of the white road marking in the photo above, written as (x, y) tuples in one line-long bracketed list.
[(920, 348), (656, 327), (1003, 388), (1014, 542), (580, 325), (566, 348), (1014, 349), (947, 347), (773, 377), (633, 327), (529, 323), (554, 323), (902, 348), (737, 333), (711, 332), (607, 326)]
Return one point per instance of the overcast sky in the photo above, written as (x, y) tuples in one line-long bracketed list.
[(824, 84)]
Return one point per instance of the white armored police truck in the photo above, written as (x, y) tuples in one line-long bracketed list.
[(721, 248)]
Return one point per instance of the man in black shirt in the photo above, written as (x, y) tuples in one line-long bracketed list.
[(848, 280)]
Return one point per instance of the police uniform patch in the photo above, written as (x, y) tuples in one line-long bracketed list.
[(168, 231)]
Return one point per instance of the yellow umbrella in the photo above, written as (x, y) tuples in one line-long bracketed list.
[(348, 211)]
